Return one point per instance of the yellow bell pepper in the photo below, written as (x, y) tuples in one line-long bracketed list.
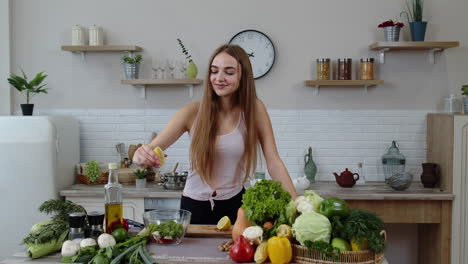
[(279, 250), (355, 246)]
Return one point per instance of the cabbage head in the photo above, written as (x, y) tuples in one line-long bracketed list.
[(308, 202), (312, 226)]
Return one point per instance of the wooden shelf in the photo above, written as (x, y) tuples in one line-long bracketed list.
[(346, 83), (162, 81), (430, 46), (105, 48), (142, 83)]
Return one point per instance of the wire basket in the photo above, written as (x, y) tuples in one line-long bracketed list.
[(304, 255)]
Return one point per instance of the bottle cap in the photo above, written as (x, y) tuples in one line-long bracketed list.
[(76, 220), (112, 166)]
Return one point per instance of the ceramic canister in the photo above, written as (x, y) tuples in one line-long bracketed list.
[(96, 36), (78, 36)]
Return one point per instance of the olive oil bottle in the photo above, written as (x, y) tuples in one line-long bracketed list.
[(113, 197)]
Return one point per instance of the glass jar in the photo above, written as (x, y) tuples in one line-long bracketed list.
[(393, 162), (323, 69), (344, 69), (367, 68)]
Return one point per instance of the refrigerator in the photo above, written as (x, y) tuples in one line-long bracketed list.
[(37, 159)]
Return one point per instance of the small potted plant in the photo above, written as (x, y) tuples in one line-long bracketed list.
[(192, 69), (391, 29), (465, 98), (140, 178), (28, 89), (131, 65), (414, 15)]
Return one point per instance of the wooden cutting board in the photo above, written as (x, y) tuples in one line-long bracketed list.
[(206, 231)]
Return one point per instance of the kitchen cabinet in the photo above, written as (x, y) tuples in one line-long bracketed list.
[(447, 145)]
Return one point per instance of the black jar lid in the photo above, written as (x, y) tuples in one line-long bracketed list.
[(96, 218), (345, 60), (367, 60), (76, 220)]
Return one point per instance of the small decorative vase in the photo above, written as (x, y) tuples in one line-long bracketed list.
[(431, 175), (465, 105), (392, 33), (310, 169), (418, 30), (140, 183), (192, 70), (27, 109), (131, 70)]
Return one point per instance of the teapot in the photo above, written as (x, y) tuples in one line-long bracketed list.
[(346, 178)]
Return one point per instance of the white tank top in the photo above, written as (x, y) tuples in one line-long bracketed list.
[(228, 168)]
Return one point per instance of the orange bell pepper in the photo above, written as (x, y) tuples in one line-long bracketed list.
[(279, 250)]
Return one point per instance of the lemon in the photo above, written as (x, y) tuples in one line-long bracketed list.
[(224, 223), (160, 154)]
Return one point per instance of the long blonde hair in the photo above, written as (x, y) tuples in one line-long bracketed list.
[(202, 147)]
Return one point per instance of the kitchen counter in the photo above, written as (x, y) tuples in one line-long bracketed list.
[(369, 191)]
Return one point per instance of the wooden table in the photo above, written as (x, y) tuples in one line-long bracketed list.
[(430, 209)]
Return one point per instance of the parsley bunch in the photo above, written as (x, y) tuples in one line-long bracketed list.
[(265, 201)]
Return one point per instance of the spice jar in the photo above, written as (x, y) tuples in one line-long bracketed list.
[(323, 69), (367, 68), (344, 69)]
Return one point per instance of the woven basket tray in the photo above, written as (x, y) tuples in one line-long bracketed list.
[(303, 255), (83, 179)]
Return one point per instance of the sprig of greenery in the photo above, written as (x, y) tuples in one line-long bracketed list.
[(464, 89), (60, 208), (92, 170), (130, 59), (184, 51), (23, 86), (140, 173), (414, 10), (327, 250)]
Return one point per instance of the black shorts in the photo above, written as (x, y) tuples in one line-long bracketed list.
[(202, 213)]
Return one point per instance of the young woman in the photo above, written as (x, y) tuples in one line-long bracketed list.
[(225, 129)]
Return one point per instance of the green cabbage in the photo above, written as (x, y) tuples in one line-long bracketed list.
[(312, 226)]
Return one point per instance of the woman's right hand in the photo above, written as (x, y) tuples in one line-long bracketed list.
[(144, 156)]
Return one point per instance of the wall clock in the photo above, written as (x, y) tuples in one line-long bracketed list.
[(260, 49)]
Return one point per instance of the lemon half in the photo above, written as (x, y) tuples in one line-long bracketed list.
[(160, 154), (224, 223)]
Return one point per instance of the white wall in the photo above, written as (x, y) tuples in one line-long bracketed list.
[(5, 97)]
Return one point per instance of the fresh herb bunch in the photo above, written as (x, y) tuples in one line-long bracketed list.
[(414, 10), (30, 88), (140, 173), (265, 201), (92, 170), (130, 59), (327, 250), (184, 51), (361, 225), (60, 208)]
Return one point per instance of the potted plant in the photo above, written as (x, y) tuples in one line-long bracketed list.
[(131, 65), (28, 89), (465, 99), (140, 178), (192, 69), (414, 14), (391, 29)]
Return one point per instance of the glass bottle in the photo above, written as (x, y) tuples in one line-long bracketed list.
[(76, 221), (113, 197), (362, 178), (393, 162), (323, 69), (310, 169)]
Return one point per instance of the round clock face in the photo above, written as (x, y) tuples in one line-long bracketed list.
[(259, 48)]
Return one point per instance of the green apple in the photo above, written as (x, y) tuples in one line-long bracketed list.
[(341, 244)]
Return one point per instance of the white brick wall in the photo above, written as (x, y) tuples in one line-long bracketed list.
[(340, 139)]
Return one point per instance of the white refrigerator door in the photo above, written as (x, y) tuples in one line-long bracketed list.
[(37, 156)]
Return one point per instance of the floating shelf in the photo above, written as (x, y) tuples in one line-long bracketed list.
[(431, 46), (142, 83), (365, 83), (104, 48)]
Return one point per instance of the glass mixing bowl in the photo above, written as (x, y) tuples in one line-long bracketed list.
[(171, 225)]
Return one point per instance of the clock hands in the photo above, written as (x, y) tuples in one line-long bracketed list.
[(251, 54)]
